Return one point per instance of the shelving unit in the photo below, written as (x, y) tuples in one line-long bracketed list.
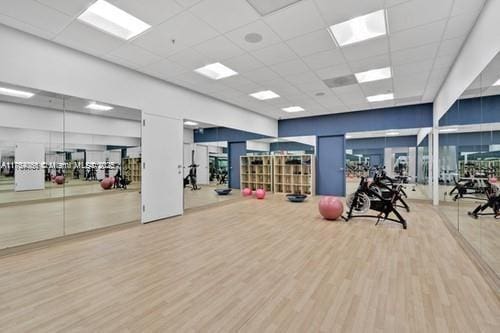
[(256, 172), (294, 174), (131, 168)]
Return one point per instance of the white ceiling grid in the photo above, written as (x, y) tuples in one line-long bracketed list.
[(293, 58)]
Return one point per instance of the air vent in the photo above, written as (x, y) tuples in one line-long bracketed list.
[(340, 81), (266, 7)]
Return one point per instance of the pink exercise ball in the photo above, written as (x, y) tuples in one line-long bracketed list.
[(112, 179), (106, 183), (260, 193), (331, 208), (59, 180), (247, 192)]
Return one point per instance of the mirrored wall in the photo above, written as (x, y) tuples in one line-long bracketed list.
[(395, 155), (68, 165), (469, 145)]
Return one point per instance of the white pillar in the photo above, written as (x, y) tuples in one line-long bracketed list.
[(435, 166), (429, 161)]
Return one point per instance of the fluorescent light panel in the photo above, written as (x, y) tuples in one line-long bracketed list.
[(293, 109), (265, 94), (111, 19), (380, 98), (448, 130), (374, 75), (497, 83), (190, 123), (360, 28), (99, 107), (392, 133), (16, 93), (216, 71)]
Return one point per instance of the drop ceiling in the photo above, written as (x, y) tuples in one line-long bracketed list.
[(293, 58)]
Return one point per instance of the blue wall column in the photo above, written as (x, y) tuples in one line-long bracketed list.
[(330, 173), (235, 150)]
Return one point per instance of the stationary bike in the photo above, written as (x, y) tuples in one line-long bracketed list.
[(492, 201), (191, 177), (367, 197)]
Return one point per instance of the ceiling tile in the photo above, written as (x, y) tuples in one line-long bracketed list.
[(417, 36), (460, 25), (243, 63), (36, 14), (350, 94), (185, 29), (26, 27), (152, 12), (219, 48), (241, 83), (258, 27), (417, 12), (367, 49), (311, 87), (261, 75), (450, 47), (164, 69), (324, 59), (187, 3), (377, 87), (341, 10), (225, 15), (334, 71), (150, 41), (413, 68), (87, 39), (362, 65), (295, 66), (305, 77), (313, 42), (295, 20), (274, 54), (135, 55), (191, 59), (415, 54), (71, 8), (120, 61)]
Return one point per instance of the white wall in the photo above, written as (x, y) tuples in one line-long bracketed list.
[(258, 146), (188, 135), (37, 63)]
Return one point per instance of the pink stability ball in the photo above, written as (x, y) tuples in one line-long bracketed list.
[(59, 180), (247, 192), (106, 183), (260, 193), (331, 208)]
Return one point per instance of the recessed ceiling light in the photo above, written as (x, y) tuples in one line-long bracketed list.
[(99, 107), (380, 98), (16, 93), (448, 130), (293, 109), (392, 133), (216, 71), (497, 83), (190, 123), (374, 75), (348, 136), (359, 28), (265, 7), (266, 94), (111, 19)]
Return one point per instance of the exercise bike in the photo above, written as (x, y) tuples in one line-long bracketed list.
[(492, 201), (191, 178), (388, 187), (366, 198)]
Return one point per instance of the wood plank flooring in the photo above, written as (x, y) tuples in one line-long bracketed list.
[(252, 266)]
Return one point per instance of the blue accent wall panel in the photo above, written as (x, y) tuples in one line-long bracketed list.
[(412, 116), (373, 143), (468, 111), (224, 134), (236, 149), (330, 174)]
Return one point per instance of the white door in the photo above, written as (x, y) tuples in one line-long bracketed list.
[(202, 160), (162, 188)]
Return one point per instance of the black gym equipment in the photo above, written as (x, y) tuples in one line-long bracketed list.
[(296, 197), (368, 197), (223, 191), (388, 187), (492, 201), (191, 178)]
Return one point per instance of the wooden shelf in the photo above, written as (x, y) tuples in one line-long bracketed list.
[(131, 169), (256, 172)]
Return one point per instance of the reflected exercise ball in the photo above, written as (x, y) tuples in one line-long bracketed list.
[(260, 194), (106, 183), (247, 192), (59, 180), (331, 208)]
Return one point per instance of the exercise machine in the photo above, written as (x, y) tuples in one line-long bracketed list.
[(492, 201), (191, 178), (367, 197)]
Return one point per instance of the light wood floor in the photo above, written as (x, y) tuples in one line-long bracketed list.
[(252, 266), (207, 196)]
